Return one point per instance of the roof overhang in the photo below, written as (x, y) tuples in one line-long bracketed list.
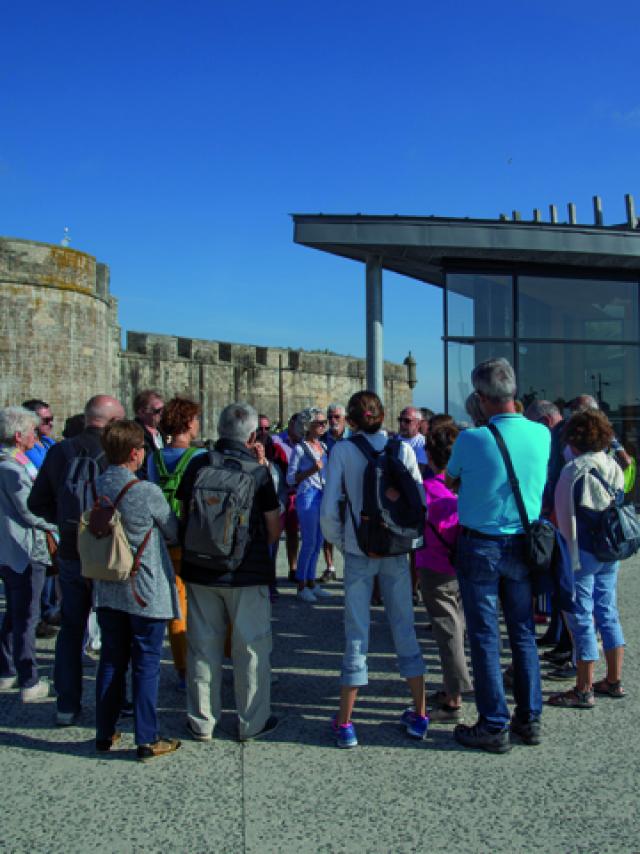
[(424, 247)]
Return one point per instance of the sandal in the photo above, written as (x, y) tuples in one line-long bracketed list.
[(609, 689), (573, 699)]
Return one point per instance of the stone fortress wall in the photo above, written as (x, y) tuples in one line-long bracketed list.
[(60, 340)]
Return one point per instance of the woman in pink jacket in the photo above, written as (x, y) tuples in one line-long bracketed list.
[(438, 581)]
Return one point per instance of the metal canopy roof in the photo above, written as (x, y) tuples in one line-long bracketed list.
[(423, 247)]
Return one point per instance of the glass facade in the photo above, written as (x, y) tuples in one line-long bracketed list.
[(564, 337), (577, 309), (480, 305)]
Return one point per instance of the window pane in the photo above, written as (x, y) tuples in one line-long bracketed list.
[(609, 372), (462, 360), (577, 309), (479, 306)]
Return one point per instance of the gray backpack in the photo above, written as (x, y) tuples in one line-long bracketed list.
[(219, 524)]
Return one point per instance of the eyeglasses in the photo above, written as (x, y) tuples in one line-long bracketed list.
[(320, 423), (156, 411), (403, 420), (335, 415), (47, 420)]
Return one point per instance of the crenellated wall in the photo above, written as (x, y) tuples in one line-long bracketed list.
[(215, 373), (60, 340)]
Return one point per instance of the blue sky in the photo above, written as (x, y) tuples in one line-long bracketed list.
[(174, 140)]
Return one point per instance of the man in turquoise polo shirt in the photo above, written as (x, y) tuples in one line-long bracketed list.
[(490, 561)]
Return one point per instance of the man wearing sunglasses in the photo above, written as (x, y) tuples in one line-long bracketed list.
[(44, 430), (148, 406), (409, 431)]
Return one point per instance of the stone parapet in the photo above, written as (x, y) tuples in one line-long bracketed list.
[(60, 341)]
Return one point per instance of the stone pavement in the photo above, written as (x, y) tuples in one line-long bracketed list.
[(295, 792)]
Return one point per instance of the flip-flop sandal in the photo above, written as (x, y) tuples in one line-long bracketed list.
[(572, 699), (609, 689)]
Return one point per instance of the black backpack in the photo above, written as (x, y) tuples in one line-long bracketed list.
[(393, 505), (77, 492), (610, 534)]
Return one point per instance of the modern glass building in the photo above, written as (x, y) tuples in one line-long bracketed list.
[(559, 300)]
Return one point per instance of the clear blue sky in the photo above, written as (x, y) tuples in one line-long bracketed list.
[(174, 139)]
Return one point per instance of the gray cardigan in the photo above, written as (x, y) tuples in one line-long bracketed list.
[(22, 537), (144, 506)]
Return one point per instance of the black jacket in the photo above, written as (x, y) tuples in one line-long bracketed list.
[(43, 500), (149, 447), (258, 566)]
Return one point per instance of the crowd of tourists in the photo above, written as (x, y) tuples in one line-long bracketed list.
[(129, 528)]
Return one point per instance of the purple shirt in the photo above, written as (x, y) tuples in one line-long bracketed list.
[(442, 512)]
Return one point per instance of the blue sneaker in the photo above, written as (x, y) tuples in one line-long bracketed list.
[(345, 733), (415, 725)]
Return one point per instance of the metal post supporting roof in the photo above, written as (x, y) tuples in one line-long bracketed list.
[(375, 358)]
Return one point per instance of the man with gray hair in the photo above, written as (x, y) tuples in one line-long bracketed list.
[(409, 422), (337, 430), (490, 559), (58, 495), (218, 595), (543, 412)]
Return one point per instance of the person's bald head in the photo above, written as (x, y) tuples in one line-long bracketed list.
[(583, 403), (101, 410)]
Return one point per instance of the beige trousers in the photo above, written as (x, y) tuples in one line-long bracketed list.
[(441, 597), (210, 609)]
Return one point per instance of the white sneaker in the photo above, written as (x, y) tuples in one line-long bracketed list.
[(8, 682), (67, 718), (321, 592), (36, 692), (307, 595)]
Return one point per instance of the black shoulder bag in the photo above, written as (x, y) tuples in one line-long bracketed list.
[(540, 535)]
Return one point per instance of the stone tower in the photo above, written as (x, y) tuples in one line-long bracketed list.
[(58, 326)]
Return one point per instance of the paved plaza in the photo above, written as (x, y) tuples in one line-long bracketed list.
[(295, 792)]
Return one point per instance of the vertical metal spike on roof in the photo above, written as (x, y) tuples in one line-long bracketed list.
[(598, 218), (553, 214), (571, 210), (517, 216), (537, 215), (632, 219)]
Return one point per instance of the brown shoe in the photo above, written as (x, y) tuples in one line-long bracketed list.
[(44, 630), (104, 745), (159, 748)]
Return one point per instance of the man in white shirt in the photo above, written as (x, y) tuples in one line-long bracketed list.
[(409, 431)]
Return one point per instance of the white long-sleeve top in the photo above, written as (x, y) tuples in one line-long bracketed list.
[(345, 471), (303, 458), (594, 495)]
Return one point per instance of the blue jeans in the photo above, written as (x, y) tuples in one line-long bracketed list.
[(488, 571), (76, 604), (18, 631), (48, 600), (308, 510), (127, 636), (595, 596), (395, 586)]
